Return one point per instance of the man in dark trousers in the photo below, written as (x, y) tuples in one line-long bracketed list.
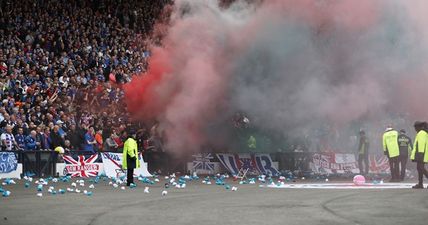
[(130, 157), (420, 152), (363, 153), (391, 149), (405, 145)]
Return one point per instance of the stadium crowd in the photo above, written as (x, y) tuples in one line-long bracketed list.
[(62, 66)]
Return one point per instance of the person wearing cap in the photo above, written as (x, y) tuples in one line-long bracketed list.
[(130, 157), (405, 145), (363, 153), (419, 152), (61, 131), (391, 149)]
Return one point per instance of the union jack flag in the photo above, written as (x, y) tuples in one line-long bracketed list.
[(203, 162), (378, 164), (81, 165)]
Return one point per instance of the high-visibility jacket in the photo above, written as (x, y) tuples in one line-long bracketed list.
[(130, 150), (420, 145), (390, 143), (252, 143)]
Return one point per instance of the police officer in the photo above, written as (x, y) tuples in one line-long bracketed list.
[(130, 157), (391, 149), (419, 153), (405, 145), (363, 153)]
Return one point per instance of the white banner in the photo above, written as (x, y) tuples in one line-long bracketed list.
[(331, 163), (62, 171), (113, 165)]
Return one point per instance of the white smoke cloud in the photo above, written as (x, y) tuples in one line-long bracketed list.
[(291, 66)]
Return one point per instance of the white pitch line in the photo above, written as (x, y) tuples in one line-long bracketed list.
[(341, 186)]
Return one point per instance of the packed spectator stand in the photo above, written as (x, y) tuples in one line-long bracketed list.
[(62, 66)]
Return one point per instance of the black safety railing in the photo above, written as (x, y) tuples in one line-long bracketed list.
[(42, 163), (293, 161), (39, 163)]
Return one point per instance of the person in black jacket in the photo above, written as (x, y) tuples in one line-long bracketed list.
[(363, 153), (405, 145), (56, 139), (75, 137)]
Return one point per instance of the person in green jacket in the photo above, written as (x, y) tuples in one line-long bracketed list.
[(420, 152), (392, 150), (130, 157), (252, 143)]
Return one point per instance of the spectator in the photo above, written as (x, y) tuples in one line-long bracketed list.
[(67, 146), (56, 139), (61, 131), (47, 141), (117, 139), (39, 137), (75, 137), (110, 145), (99, 140), (30, 141), (8, 140), (90, 142), (20, 138)]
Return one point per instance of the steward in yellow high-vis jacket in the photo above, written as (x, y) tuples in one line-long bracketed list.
[(392, 150), (130, 157), (420, 151)]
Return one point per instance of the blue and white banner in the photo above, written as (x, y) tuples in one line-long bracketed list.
[(9, 166), (255, 163), (113, 165), (8, 162)]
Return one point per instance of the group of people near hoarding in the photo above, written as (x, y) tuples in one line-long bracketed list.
[(397, 146)]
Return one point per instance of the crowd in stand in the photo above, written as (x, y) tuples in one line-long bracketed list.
[(62, 64)]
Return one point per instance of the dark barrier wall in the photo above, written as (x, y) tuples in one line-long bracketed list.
[(41, 163)]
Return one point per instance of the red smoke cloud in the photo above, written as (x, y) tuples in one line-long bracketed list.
[(143, 100)]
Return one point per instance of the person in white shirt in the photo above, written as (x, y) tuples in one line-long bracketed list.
[(8, 140)]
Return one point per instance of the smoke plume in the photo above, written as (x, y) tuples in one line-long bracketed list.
[(291, 66)]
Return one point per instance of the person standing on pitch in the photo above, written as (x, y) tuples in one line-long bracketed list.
[(363, 153), (130, 157), (419, 153), (391, 149), (405, 145)]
